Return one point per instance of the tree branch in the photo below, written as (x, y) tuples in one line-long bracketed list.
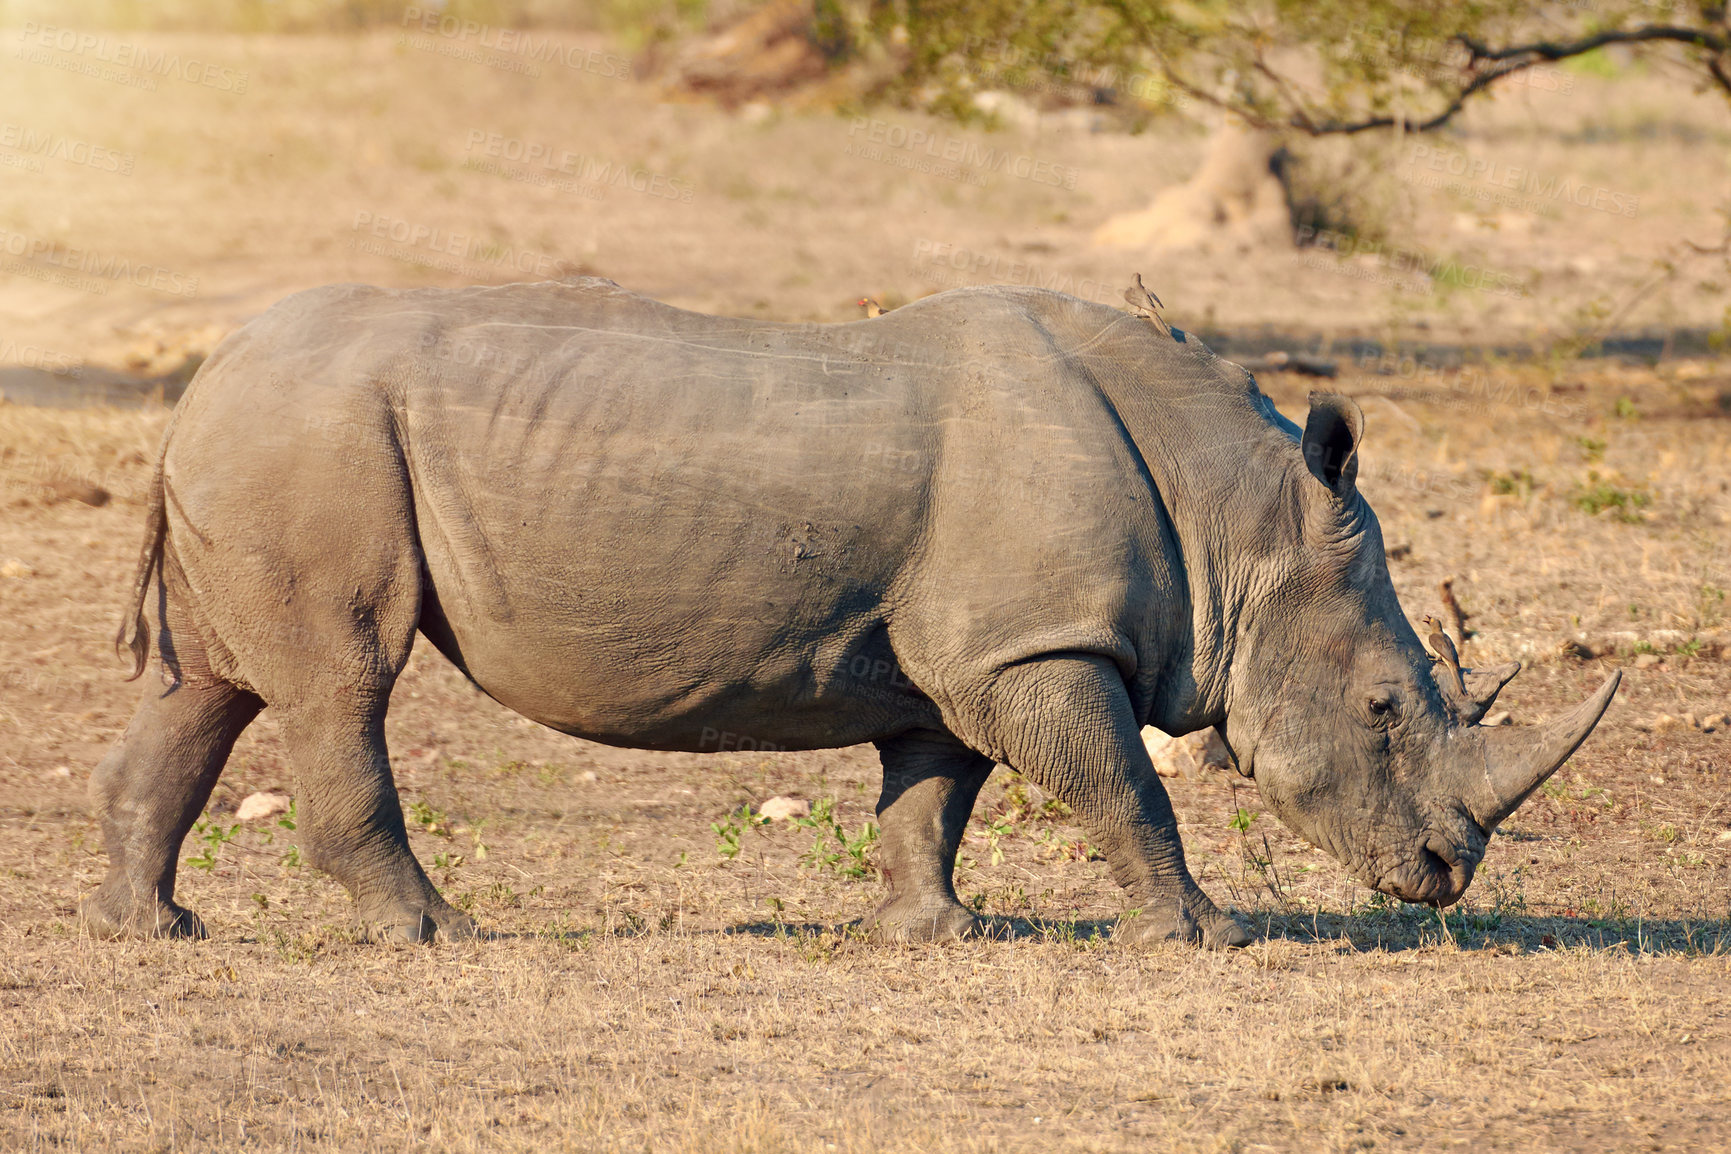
[(1519, 57), (1551, 50)]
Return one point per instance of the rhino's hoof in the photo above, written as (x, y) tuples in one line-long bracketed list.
[(99, 918), (1209, 927), (420, 927), (910, 921)]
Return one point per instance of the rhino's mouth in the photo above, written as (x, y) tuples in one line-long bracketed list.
[(1436, 873)]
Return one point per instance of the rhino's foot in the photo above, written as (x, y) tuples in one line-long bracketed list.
[(914, 920), (103, 915), (1191, 919), (405, 924)]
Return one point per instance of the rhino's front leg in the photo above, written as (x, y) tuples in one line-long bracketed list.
[(1066, 724), (930, 783)]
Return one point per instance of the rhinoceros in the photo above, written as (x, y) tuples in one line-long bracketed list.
[(999, 525)]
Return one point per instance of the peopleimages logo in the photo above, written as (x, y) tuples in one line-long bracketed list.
[(124, 54), (44, 259), (516, 42), (54, 146), (584, 175), (1512, 185), (439, 248), (869, 138)]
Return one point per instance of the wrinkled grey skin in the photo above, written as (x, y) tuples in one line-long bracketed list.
[(998, 525)]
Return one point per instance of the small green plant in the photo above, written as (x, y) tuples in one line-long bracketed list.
[(430, 820), (847, 855), (1592, 448), (1625, 409), (1518, 483), (1019, 806), (1242, 820), (998, 829), (1710, 604), (1599, 495), (447, 860), (212, 836), (292, 859), (731, 830)]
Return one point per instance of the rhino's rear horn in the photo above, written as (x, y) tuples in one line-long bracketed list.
[(1517, 761), (1483, 685)]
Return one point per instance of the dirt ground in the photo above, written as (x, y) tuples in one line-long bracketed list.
[(644, 989)]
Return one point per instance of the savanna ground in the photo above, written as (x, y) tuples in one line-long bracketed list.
[(646, 990)]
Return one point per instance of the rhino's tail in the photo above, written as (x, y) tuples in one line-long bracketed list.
[(149, 565)]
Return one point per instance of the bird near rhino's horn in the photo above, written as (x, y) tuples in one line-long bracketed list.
[(1517, 761)]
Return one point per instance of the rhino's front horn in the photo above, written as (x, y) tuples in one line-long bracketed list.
[(1517, 761)]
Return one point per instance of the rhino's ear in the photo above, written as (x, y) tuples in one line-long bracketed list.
[(1331, 436)]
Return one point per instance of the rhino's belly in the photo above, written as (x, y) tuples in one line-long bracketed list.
[(630, 670)]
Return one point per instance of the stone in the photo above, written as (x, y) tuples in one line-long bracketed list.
[(69, 490), (262, 806), (16, 568), (1171, 756), (1500, 717), (1715, 723), (1647, 660), (1215, 755), (784, 808)]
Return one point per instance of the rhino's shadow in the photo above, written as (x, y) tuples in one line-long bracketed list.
[(1360, 933), (1510, 934)]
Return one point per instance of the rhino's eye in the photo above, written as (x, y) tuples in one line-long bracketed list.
[(1384, 706)]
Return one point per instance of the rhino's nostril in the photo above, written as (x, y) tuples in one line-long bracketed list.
[(1447, 871)]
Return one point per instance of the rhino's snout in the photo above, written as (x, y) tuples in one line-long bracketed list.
[(1437, 876)]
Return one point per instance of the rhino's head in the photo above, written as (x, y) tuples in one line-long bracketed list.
[(1354, 737)]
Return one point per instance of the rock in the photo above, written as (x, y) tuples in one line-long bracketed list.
[(588, 775), (1500, 717), (1716, 722), (1689, 720), (1662, 722), (16, 568), (262, 806), (66, 490), (1171, 757), (1215, 755), (784, 808), (1725, 835), (1176, 756), (1647, 660), (63, 771)]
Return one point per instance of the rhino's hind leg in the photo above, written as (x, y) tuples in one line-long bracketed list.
[(1066, 723), (350, 819), (146, 794), (930, 783)]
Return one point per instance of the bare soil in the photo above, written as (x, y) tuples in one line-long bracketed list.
[(643, 990)]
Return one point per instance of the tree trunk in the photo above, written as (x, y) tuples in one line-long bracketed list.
[(1236, 201)]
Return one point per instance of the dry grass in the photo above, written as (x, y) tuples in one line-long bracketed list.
[(645, 992)]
